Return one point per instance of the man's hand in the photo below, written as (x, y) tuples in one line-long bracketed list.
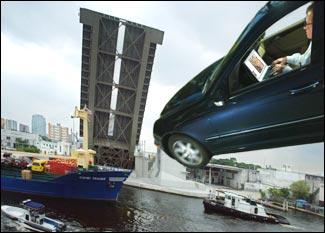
[(279, 64)]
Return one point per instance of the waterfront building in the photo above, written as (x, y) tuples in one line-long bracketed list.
[(46, 147), (229, 176), (38, 125), (314, 181), (251, 180), (321, 196), (9, 137)]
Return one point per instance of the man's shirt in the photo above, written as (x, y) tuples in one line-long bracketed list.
[(300, 59)]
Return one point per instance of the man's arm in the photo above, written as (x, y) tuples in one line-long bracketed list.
[(295, 59), (300, 59)]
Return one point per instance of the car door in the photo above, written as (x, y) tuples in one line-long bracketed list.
[(272, 114), (286, 110)]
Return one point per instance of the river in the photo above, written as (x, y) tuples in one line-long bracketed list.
[(145, 210)]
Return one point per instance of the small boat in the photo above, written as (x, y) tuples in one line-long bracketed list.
[(32, 217), (239, 206)]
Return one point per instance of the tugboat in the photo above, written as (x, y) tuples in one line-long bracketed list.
[(239, 206), (32, 217)]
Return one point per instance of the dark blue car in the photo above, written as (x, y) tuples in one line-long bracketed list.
[(236, 104)]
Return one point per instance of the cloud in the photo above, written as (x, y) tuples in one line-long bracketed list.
[(39, 79), (41, 57), (158, 96), (41, 22), (302, 158)]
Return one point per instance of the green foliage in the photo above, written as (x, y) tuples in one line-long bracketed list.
[(22, 145), (263, 194), (300, 189), (274, 194), (279, 194), (46, 139), (285, 193), (31, 149), (20, 141), (233, 163)]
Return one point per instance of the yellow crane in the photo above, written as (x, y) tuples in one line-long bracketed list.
[(84, 156)]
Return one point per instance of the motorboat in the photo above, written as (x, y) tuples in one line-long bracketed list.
[(239, 206), (32, 217)]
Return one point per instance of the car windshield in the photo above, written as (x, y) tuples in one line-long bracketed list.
[(211, 77), (193, 88)]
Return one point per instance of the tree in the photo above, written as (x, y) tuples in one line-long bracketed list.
[(279, 195), (285, 193), (233, 163), (263, 194), (31, 149), (20, 142), (275, 194), (299, 189), (234, 160)]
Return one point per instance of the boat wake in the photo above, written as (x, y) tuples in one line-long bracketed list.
[(292, 227)]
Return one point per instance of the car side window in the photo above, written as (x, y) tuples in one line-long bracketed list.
[(284, 47)]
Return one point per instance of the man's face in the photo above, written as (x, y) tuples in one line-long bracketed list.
[(309, 25)]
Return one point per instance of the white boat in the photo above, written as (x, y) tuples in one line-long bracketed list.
[(32, 217), (239, 206)]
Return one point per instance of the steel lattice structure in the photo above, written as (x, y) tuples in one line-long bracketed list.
[(99, 59)]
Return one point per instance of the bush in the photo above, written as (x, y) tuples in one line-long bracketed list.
[(279, 195), (263, 194), (31, 149), (300, 189)]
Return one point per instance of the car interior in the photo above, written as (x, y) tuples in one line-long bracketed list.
[(290, 40)]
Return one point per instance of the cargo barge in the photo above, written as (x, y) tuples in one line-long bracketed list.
[(61, 178), (98, 184)]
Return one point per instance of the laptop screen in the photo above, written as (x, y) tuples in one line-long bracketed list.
[(256, 65)]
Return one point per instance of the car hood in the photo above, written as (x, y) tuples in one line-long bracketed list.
[(191, 92)]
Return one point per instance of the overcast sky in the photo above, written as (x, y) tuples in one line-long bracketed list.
[(41, 61)]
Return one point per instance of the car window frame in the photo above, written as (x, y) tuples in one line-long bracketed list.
[(264, 18), (283, 76), (317, 55)]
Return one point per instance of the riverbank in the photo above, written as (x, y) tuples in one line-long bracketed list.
[(183, 187), (278, 206), (157, 185), (194, 189)]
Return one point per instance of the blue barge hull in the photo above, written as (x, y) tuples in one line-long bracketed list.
[(89, 185)]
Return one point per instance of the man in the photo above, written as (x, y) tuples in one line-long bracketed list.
[(280, 64)]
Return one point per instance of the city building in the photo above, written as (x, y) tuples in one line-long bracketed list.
[(46, 147), (229, 176), (23, 128), (38, 125), (252, 180), (314, 181), (3, 123), (73, 137), (58, 133), (9, 137), (11, 125), (321, 195), (64, 148)]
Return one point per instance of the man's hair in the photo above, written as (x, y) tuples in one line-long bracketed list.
[(310, 8)]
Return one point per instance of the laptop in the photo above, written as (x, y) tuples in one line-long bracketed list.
[(257, 66)]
